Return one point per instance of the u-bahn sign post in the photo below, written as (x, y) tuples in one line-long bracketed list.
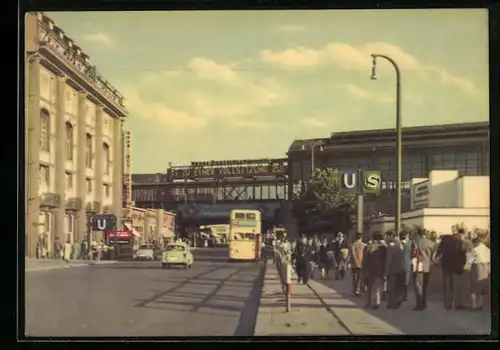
[(101, 222), (360, 182)]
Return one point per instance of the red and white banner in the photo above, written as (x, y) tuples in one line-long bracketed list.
[(120, 234)]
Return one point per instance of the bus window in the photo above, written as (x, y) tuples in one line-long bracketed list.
[(239, 216), (251, 216), (250, 236), (237, 236)]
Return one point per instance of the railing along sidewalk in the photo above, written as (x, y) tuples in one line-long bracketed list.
[(283, 262)]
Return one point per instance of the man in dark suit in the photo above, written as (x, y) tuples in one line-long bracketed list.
[(423, 253), (451, 254)]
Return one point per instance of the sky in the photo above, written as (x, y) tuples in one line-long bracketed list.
[(217, 85)]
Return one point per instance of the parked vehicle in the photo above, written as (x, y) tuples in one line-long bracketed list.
[(145, 252)]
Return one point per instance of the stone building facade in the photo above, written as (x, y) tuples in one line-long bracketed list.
[(73, 131)]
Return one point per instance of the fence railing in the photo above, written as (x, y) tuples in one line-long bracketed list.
[(282, 256)]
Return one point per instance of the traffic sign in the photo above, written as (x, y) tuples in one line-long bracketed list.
[(103, 222)]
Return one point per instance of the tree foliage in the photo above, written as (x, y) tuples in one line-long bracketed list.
[(322, 207)]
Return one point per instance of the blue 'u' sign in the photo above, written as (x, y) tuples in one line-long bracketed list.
[(104, 222)]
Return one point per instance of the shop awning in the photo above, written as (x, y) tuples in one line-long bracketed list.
[(131, 229)]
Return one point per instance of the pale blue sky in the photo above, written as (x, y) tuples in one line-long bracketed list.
[(207, 85)]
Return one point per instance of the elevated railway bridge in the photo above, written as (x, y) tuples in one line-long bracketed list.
[(204, 193)]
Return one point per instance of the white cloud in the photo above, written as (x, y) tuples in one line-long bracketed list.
[(101, 38), (313, 122), (361, 94), (344, 55), (249, 124), (358, 57), (211, 70), (301, 57), (236, 94), (159, 112), (291, 28)]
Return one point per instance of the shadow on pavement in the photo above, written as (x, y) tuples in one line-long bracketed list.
[(173, 289), (433, 320), (248, 316), (241, 298)]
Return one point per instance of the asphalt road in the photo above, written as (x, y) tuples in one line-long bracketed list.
[(214, 297)]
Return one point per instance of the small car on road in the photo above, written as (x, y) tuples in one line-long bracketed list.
[(145, 252), (177, 254)]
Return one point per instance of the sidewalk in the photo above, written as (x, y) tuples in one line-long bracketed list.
[(433, 320), (327, 307), (50, 264), (308, 315)]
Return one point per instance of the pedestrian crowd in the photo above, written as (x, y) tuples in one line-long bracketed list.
[(384, 268), (73, 251)]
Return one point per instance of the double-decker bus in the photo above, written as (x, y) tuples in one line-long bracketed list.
[(220, 232), (244, 239)]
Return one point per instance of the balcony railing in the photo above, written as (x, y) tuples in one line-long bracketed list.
[(59, 43)]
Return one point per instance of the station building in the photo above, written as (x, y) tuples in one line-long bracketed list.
[(444, 200), (462, 147), (73, 120)]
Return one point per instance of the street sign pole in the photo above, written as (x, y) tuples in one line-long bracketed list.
[(89, 236), (360, 214), (102, 222), (115, 249)]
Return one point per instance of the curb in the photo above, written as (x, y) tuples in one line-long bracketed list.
[(257, 328), (46, 268)]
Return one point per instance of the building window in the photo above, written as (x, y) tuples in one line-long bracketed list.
[(467, 163), (44, 175), (69, 141), (89, 185), (107, 158), (107, 190), (70, 223), (69, 181), (88, 151), (45, 130), (443, 161)]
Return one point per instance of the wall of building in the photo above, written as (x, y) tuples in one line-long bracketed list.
[(72, 113), (150, 223), (475, 192), (440, 220), (443, 193)]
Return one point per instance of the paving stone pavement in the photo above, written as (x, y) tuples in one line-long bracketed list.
[(308, 316), (328, 308)]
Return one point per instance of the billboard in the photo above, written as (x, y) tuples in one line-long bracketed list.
[(229, 168)]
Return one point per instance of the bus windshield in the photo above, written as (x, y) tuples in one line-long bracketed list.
[(251, 216), (239, 216), (238, 236)]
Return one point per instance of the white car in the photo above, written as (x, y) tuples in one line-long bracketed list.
[(145, 252)]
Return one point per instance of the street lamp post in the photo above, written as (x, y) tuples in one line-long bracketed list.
[(313, 144), (399, 133)]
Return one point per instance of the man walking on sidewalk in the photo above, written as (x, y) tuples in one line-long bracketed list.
[(403, 237), (394, 270), (451, 253), (301, 264), (373, 269), (357, 252), (341, 253), (423, 252)]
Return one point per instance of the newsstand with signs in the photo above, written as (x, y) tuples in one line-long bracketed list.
[(124, 243)]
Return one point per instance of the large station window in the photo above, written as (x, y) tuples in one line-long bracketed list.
[(467, 163)]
